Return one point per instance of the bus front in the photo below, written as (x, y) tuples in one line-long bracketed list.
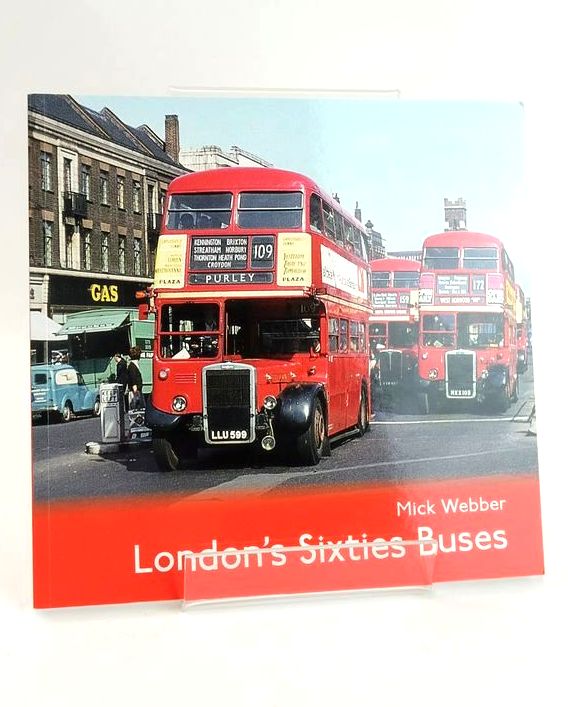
[(467, 340), (393, 325), (240, 353)]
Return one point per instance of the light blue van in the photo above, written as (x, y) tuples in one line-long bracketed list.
[(60, 389)]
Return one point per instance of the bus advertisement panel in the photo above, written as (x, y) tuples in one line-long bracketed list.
[(262, 301), (393, 326), (468, 341)]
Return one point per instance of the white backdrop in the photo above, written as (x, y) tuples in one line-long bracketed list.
[(465, 643)]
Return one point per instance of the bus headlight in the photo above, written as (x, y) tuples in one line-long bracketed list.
[(179, 403), (268, 443), (270, 402), (433, 373), (163, 373), (484, 374)]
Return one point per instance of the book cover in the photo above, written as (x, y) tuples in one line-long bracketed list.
[(278, 345)]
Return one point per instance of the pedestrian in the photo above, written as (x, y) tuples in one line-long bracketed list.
[(121, 375), (135, 399), (121, 370)]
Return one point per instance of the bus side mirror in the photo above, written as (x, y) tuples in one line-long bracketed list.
[(143, 312)]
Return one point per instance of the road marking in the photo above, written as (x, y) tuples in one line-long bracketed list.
[(440, 422), (272, 480), (422, 460), (262, 483)]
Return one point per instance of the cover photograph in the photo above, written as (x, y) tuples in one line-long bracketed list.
[(278, 346)]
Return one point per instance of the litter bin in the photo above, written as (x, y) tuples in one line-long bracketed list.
[(112, 412)]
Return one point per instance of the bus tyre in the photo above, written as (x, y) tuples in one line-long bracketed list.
[(502, 400), (97, 408), (311, 444), (171, 453), (363, 419), (67, 412)]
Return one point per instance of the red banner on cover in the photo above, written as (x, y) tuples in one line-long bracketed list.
[(99, 552)]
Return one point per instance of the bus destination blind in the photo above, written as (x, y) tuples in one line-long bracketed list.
[(226, 259)]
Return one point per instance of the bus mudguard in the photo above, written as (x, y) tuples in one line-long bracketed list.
[(296, 406), (156, 419), (497, 377)]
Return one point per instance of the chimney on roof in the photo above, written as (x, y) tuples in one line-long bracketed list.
[(172, 137), (455, 215), (357, 211)]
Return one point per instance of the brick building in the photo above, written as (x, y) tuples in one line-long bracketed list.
[(96, 192)]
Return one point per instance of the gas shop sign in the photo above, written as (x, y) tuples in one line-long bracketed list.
[(87, 292)]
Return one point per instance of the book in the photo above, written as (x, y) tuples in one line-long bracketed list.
[(358, 411)]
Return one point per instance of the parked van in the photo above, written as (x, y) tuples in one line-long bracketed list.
[(60, 389), (94, 336)]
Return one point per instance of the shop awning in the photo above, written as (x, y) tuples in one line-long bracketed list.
[(93, 321), (42, 328)]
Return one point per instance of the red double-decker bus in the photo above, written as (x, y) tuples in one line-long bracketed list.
[(262, 301), (522, 331), (468, 340), (393, 325)]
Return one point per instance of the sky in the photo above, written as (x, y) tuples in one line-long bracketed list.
[(398, 159)]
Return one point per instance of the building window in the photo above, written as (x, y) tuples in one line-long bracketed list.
[(67, 174), (104, 188), (122, 254), (136, 192), (151, 205), (86, 180), (104, 252), (137, 256), (69, 247), (47, 229), (46, 184), (72, 248), (120, 192), (87, 260)]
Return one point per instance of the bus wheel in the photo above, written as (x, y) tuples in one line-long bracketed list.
[(67, 413), (97, 407), (502, 400), (171, 453), (310, 444), (363, 419)]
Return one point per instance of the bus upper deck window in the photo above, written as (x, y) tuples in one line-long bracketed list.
[(480, 258), (316, 217), (270, 210), (380, 279), (329, 220), (441, 258), (204, 211), (406, 279)]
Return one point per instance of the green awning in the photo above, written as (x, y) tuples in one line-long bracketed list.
[(93, 321)]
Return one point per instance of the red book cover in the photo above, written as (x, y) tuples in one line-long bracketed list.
[(277, 346)]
